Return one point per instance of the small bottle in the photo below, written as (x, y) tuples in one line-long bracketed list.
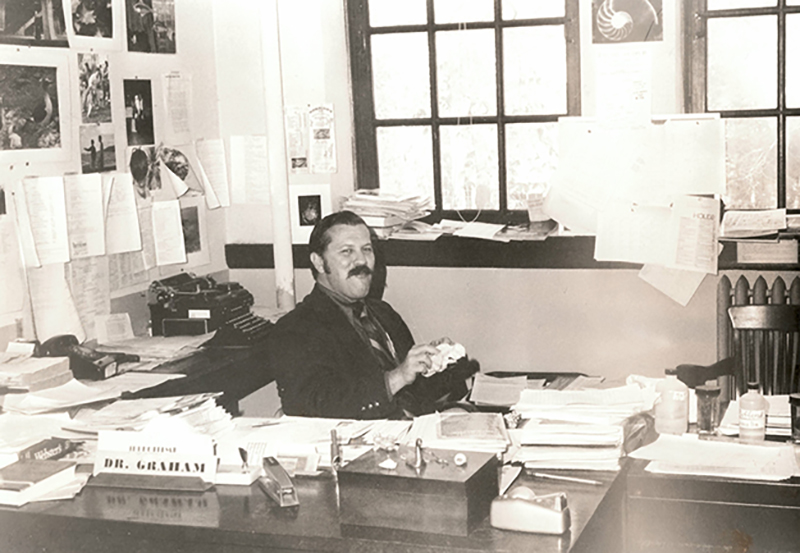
[(672, 405), (752, 415), (707, 408)]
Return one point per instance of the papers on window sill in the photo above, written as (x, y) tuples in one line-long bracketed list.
[(752, 224), (687, 454)]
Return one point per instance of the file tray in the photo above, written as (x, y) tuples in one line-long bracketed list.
[(440, 497)]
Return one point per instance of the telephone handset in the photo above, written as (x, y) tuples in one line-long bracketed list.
[(84, 362)]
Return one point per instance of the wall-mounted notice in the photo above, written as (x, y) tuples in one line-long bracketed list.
[(47, 213), (84, 197), (178, 103), (322, 139), (249, 170), (296, 124), (168, 233)]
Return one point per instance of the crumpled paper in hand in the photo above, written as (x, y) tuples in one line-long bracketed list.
[(445, 355)]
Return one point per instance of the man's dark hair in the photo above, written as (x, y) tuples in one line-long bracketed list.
[(320, 237)]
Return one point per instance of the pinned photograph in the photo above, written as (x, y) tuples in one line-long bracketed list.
[(138, 112), (143, 165), (181, 171), (190, 222), (151, 26), (92, 18), (95, 88), (308, 204), (29, 117), (98, 152), (33, 23)]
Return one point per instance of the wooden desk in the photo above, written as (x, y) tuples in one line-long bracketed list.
[(243, 520), (672, 514), (234, 371)]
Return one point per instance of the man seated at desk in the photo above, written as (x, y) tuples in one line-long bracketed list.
[(344, 354)]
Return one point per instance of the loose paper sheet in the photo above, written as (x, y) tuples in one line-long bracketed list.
[(676, 284), (84, 200), (249, 170), (633, 233), (54, 310), (168, 233), (47, 212), (623, 83), (122, 222), (88, 283), (178, 99), (12, 277), (211, 154), (695, 229)]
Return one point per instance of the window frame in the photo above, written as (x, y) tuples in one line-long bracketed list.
[(366, 125), (696, 75)]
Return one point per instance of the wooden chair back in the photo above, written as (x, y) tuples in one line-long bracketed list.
[(766, 346)]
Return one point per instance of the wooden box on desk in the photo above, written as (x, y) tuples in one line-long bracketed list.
[(441, 498)]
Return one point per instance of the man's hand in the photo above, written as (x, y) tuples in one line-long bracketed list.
[(417, 361)]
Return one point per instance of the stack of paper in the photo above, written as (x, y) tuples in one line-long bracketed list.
[(575, 429), (33, 373), (380, 210), (199, 411)]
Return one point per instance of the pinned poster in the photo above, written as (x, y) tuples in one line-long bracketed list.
[(322, 139)]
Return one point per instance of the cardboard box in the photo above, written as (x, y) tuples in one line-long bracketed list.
[(440, 498)]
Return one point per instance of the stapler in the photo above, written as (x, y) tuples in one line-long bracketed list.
[(524, 511), (277, 484)]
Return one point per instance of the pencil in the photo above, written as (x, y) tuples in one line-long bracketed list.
[(565, 478)]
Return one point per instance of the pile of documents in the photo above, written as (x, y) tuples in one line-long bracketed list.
[(574, 429), (26, 373), (381, 210), (198, 411)]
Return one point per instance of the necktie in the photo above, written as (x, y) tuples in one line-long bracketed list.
[(378, 339)]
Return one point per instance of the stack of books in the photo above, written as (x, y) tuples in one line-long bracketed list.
[(31, 374), (386, 212), (30, 480)]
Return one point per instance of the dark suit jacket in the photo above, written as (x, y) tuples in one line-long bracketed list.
[(325, 369)]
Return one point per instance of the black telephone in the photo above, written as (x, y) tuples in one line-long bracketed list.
[(84, 362)]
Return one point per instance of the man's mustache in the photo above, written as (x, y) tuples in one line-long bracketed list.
[(360, 270)]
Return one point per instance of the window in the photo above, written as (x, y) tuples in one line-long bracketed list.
[(745, 64), (459, 99)]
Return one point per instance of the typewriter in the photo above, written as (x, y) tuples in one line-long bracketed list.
[(185, 304)]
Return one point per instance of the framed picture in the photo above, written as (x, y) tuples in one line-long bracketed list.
[(308, 204), (92, 24), (35, 107), (33, 23)]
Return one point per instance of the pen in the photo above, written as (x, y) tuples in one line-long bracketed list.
[(565, 478)]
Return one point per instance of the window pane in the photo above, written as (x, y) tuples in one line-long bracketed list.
[(400, 75), (734, 4), (462, 11), (531, 159), (531, 9), (750, 163), (405, 163), (465, 63), (469, 167), (384, 13), (792, 60), (535, 66), (742, 62), (793, 162)]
